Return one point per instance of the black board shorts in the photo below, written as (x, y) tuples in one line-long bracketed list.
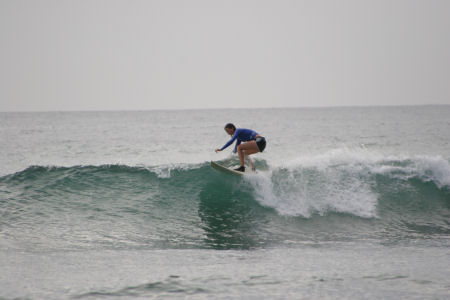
[(261, 143)]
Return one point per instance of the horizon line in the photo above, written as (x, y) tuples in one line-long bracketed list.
[(223, 108)]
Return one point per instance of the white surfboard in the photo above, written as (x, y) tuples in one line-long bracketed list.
[(229, 170)]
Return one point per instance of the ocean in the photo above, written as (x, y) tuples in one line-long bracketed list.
[(347, 203)]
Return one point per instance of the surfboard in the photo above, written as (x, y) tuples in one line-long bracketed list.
[(229, 170)]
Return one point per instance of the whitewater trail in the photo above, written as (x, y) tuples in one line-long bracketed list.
[(342, 180)]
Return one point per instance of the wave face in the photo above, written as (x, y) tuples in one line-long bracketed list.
[(338, 196)]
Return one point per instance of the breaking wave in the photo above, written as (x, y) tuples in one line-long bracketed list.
[(343, 191)]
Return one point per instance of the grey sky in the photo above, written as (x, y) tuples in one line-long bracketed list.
[(104, 55)]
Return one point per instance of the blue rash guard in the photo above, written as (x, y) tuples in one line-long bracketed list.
[(242, 135)]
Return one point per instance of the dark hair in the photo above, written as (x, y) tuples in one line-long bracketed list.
[(230, 125)]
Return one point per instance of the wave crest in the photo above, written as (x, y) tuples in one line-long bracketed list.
[(344, 181)]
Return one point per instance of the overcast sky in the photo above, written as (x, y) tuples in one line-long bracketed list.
[(175, 54)]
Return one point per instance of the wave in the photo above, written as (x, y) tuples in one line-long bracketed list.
[(348, 181), (338, 181), (351, 192)]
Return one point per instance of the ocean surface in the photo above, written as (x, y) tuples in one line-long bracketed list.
[(347, 203)]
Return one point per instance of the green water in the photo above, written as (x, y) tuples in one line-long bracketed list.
[(347, 203)]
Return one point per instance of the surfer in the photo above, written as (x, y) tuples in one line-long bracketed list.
[(253, 143)]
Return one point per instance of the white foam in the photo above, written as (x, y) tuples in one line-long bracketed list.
[(340, 180), (295, 195), (164, 171), (435, 169)]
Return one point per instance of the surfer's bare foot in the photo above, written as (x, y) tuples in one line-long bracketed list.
[(240, 169)]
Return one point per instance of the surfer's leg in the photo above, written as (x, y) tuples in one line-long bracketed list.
[(247, 148)]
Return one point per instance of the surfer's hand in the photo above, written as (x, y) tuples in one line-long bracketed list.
[(217, 150)]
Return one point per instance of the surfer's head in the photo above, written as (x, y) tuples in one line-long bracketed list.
[(230, 128)]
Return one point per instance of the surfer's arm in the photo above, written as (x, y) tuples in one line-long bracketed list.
[(230, 141)]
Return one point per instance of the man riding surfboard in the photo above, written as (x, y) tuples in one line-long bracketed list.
[(248, 142)]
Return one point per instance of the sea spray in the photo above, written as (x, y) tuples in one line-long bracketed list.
[(341, 180)]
